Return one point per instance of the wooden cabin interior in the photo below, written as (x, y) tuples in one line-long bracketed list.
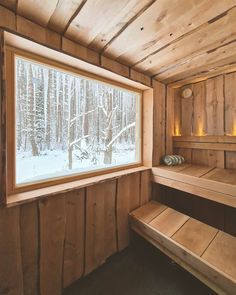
[(96, 98)]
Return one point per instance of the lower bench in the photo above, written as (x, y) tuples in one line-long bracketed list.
[(206, 252)]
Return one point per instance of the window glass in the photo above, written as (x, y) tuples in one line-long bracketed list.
[(69, 124)]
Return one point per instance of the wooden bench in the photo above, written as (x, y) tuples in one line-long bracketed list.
[(215, 184), (206, 252)]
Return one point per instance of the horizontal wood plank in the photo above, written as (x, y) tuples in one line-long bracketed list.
[(189, 245), (206, 146)]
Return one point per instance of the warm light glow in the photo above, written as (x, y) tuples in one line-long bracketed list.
[(201, 131), (234, 128), (233, 132), (177, 130)]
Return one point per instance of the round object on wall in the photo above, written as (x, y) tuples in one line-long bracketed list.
[(187, 93)]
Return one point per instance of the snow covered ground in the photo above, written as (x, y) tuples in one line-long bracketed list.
[(55, 164)]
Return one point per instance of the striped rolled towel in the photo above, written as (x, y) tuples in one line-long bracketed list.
[(173, 160)]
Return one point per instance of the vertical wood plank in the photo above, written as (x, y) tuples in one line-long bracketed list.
[(216, 159), (230, 104), (146, 187), (159, 114), (199, 117), (3, 122), (230, 160), (215, 106), (147, 127), (127, 192), (110, 239), (186, 153), (52, 234), (11, 278), (200, 157), (187, 114), (73, 266), (134, 193), (100, 224), (177, 113), (29, 229), (170, 119), (122, 202)]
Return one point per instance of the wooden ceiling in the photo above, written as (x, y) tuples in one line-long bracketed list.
[(169, 40)]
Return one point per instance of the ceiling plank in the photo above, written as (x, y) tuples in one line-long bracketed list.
[(100, 20), (205, 38), (222, 56), (10, 4), (162, 23), (206, 74), (37, 11), (63, 13)]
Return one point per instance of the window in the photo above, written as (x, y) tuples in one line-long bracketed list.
[(69, 124)]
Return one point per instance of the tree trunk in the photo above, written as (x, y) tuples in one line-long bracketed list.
[(32, 114), (108, 138)]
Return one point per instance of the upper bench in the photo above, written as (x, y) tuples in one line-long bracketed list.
[(215, 184)]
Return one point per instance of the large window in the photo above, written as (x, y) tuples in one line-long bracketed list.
[(70, 124)]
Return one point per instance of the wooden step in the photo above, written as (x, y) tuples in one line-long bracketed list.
[(206, 252), (215, 184)]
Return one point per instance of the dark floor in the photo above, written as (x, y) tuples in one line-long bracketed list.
[(141, 269)]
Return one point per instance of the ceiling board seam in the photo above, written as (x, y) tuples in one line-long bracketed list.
[(184, 61), (172, 84), (184, 35), (126, 25), (74, 16)]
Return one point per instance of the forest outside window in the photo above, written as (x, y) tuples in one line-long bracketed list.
[(69, 124)]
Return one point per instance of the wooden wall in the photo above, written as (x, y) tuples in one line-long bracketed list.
[(210, 111), (49, 243)]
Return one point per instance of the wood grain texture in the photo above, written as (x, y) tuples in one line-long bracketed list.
[(199, 108), (230, 104), (52, 234), (73, 260), (222, 253), (146, 187), (215, 106), (3, 133), (29, 235), (170, 119), (199, 258), (210, 116), (159, 117), (114, 66), (108, 19), (194, 45), (210, 183), (195, 236), (62, 14), (11, 277), (175, 221), (127, 194), (100, 224), (10, 4), (148, 132), (149, 211), (205, 63), (7, 18), (135, 44), (37, 11)]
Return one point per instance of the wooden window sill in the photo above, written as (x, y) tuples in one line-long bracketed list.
[(32, 195)]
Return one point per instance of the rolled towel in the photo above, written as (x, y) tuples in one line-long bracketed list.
[(173, 160)]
